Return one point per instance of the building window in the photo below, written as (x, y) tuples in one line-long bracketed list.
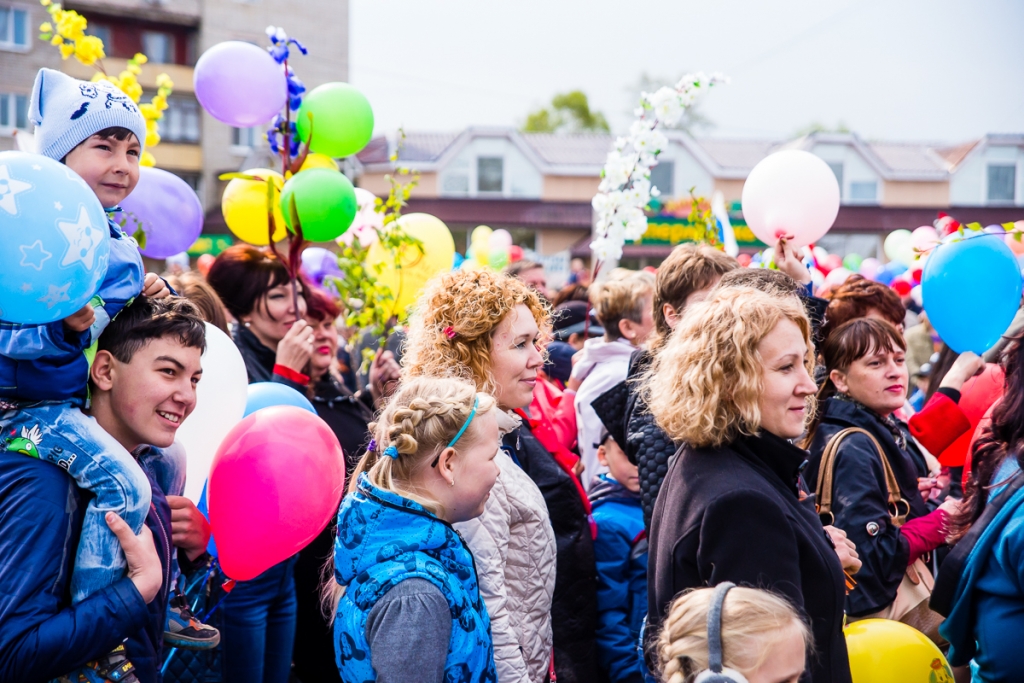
[(490, 174), (837, 169), (101, 31), (13, 28), (1001, 181), (181, 121), (245, 137), (13, 111), (863, 191), (191, 179), (158, 46), (663, 178)]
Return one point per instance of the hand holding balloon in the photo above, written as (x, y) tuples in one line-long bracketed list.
[(82, 320), (295, 350), (788, 261)]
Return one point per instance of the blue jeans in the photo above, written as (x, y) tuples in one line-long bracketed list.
[(258, 628), (60, 433)]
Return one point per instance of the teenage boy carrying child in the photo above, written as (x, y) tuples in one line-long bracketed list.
[(98, 132)]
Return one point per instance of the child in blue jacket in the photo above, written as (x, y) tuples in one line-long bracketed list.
[(621, 553), (98, 132)]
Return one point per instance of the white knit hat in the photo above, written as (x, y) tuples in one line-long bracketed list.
[(67, 111)]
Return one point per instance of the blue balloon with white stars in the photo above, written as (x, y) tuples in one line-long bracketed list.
[(54, 240)]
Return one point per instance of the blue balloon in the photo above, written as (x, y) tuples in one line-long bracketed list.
[(267, 394), (54, 240), (971, 290)]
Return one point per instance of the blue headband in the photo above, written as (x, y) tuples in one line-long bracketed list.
[(472, 413)]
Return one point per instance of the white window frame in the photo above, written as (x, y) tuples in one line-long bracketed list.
[(241, 150), (851, 199), (490, 193), (10, 45)]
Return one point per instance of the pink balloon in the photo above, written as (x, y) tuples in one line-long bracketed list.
[(501, 240), (924, 238), (837, 277), (275, 483), (869, 268), (831, 262), (791, 192)]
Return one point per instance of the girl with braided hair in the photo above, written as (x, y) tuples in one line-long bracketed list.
[(410, 607)]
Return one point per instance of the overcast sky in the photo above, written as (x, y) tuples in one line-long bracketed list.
[(944, 70)]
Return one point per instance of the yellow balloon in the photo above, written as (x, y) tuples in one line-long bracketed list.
[(438, 255), (314, 160), (883, 651), (244, 205)]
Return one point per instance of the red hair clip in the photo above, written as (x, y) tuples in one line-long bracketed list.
[(449, 332)]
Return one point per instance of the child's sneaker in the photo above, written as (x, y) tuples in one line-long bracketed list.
[(185, 631), (114, 668)]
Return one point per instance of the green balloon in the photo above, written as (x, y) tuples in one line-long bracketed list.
[(852, 262), (497, 259), (342, 120), (324, 200)]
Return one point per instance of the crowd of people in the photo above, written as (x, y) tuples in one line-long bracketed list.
[(654, 475)]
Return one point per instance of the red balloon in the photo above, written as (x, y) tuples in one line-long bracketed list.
[(204, 262), (275, 483), (515, 253), (743, 260), (831, 262), (901, 286)]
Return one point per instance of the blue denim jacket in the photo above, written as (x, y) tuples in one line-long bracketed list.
[(47, 362), (41, 635)]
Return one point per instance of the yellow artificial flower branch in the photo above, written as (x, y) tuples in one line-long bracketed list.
[(66, 30)]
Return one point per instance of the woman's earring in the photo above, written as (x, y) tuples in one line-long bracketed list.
[(453, 482), (246, 323)]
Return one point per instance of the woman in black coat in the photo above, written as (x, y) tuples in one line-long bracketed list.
[(733, 383), (866, 383)]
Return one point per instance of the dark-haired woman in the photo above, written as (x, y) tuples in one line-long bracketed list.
[(987, 618), (866, 383), (276, 343)]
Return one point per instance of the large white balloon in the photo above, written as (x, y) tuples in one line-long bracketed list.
[(220, 405), (791, 192)]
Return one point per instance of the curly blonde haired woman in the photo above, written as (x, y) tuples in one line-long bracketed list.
[(733, 384), (411, 608), (488, 328), (760, 636)]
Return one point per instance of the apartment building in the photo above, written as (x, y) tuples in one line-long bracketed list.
[(173, 34)]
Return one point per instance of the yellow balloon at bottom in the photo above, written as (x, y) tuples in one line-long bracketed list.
[(884, 651), (314, 160), (407, 282), (244, 205)]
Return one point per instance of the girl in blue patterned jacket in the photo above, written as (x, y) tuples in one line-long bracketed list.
[(410, 607)]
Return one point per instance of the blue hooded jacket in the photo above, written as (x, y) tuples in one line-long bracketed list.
[(48, 362), (621, 553), (384, 539), (42, 635), (987, 618)]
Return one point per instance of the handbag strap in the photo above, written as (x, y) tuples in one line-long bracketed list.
[(826, 472)]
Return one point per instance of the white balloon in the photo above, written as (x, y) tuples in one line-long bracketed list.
[(220, 405), (791, 192)]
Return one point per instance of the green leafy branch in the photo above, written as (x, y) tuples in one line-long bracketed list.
[(369, 303)]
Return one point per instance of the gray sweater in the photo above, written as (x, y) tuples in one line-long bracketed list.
[(408, 632)]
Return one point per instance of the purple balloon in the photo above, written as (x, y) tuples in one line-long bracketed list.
[(313, 259), (995, 229), (166, 209), (240, 84)]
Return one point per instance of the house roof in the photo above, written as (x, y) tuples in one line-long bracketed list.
[(584, 149), (585, 153)]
